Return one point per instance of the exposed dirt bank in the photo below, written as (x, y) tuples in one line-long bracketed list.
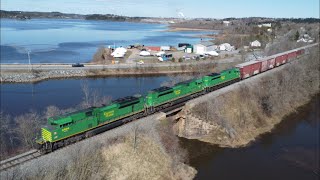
[(144, 149), (236, 115)]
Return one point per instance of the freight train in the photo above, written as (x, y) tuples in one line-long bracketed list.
[(63, 130)]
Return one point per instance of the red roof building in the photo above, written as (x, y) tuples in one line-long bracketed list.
[(153, 48)]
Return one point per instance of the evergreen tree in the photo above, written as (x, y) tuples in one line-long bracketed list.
[(296, 36)]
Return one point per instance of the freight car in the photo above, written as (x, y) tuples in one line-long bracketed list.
[(73, 127)]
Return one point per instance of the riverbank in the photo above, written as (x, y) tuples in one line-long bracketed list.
[(289, 151), (238, 114), (22, 74)]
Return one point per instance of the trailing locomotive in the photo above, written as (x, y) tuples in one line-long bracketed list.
[(69, 128)]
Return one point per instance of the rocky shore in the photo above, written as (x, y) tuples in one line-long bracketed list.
[(39, 76), (19, 74)]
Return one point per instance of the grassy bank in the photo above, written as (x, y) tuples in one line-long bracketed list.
[(236, 116)]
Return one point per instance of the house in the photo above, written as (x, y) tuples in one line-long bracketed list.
[(255, 43), (203, 47), (165, 48), (269, 25), (188, 49), (226, 23), (226, 47), (305, 40)]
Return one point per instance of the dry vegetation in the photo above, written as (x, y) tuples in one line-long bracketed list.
[(144, 149), (240, 32), (237, 116)]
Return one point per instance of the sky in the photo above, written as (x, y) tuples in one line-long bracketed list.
[(173, 8)]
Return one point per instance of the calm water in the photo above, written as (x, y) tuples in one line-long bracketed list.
[(291, 151), (20, 98), (56, 40)]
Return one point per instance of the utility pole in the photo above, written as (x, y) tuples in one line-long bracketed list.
[(30, 67)]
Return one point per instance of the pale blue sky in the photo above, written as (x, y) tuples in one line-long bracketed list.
[(170, 8)]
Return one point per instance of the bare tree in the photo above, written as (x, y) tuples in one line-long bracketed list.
[(5, 133), (52, 111), (27, 127), (86, 92)]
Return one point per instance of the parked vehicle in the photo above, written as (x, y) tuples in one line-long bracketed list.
[(165, 57), (77, 65)]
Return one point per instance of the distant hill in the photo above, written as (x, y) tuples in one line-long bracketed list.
[(23, 15), (30, 15)]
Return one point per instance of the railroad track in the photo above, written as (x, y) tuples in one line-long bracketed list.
[(22, 158)]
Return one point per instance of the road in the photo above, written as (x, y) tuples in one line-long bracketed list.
[(92, 66)]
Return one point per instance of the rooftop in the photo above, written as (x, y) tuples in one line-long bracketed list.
[(206, 43)]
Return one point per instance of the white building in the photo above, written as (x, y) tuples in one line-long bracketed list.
[(203, 47), (269, 25), (165, 48), (255, 43), (226, 47), (226, 23)]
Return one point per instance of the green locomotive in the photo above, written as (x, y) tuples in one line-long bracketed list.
[(73, 127), (217, 80), (69, 128)]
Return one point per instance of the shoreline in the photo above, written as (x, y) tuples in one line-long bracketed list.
[(97, 76), (38, 75), (181, 29)]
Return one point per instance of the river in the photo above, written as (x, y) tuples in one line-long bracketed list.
[(290, 151), (72, 40), (17, 99)]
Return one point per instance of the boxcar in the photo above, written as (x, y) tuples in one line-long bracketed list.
[(292, 55), (271, 63), (248, 69), (281, 59), (300, 52), (266, 64)]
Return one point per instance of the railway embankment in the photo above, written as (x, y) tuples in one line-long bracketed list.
[(236, 115), (143, 149)]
